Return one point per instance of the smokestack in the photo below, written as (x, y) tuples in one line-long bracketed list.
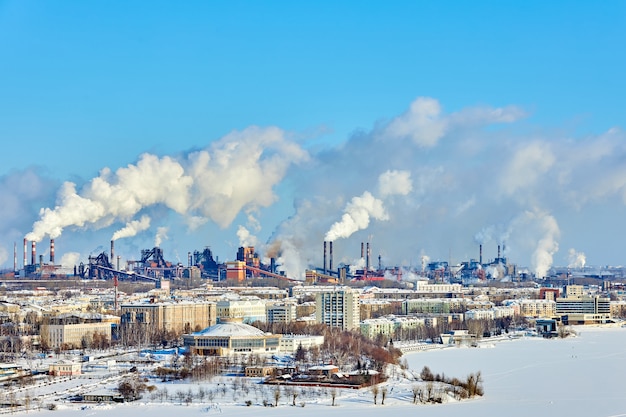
[(367, 261), (25, 253), (498, 251), (14, 256), (189, 259), (51, 251), (112, 251), (33, 252), (324, 256), (330, 263), (480, 259), (273, 265), (118, 262), (362, 251)]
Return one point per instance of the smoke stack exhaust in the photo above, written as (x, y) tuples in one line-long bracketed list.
[(367, 261), (51, 251), (324, 256), (480, 258), (112, 251), (330, 263), (33, 252)]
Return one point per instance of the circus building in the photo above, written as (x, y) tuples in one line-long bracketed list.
[(229, 337)]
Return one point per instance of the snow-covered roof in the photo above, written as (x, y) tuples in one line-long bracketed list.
[(230, 329)]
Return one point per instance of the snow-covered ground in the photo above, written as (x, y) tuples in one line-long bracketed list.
[(579, 376)]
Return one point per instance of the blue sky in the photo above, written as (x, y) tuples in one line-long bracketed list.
[(92, 85)]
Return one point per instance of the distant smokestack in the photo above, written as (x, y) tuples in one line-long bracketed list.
[(362, 251), (330, 263), (189, 259), (324, 256), (25, 253), (380, 263), (367, 261), (14, 256), (52, 251), (480, 259), (273, 265), (33, 252), (118, 262), (498, 251), (40, 261), (112, 251)]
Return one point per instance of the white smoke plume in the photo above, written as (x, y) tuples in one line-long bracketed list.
[(576, 259), (394, 182), (236, 172), (70, 259), (132, 228), (246, 238), (541, 231), (4, 254), (161, 235), (357, 215)]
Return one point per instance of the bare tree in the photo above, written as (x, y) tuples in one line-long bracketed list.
[(383, 395), (276, 396), (375, 392), (333, 395)]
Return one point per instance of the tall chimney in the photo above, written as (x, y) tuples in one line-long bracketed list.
[(14, 256), (112, 251), (33, 252), (362, 251), (498, 251), (189, 259), (367, 260), (25, 253), (330, 263), (52, 251), (324, 256), (480, 259)]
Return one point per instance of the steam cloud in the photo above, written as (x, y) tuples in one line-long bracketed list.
[(238, 171), (434, 179), (132, 228)]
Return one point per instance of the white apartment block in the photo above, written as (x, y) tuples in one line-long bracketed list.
[(72, 335), (339, 308)]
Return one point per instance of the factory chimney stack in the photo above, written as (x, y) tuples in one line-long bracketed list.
[(25, 253), (324, 257), (51, 251), (33, 252), (367, 260), (330, 263), (498, 251), (480, 258), (112, 251)]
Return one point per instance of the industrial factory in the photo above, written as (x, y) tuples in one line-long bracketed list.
[(152, 265)]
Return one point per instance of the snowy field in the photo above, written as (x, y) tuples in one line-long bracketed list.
[(579, 376)]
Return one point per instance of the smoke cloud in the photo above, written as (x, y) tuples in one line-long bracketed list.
[(161, 235), (132, 228), (576, 259), (357, 215), (239, 171), (437, 182)]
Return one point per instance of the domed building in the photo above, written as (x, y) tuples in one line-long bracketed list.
[(231, 336)]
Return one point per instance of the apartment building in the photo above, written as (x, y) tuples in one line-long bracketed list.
[(338, 308)]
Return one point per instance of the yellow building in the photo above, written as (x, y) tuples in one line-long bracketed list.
[(180, 317)]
